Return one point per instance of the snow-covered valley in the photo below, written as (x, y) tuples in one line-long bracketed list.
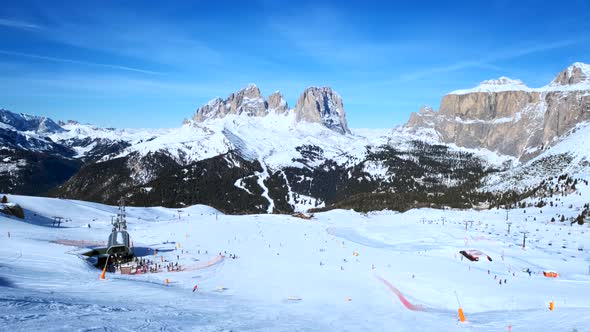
[(339, 271)]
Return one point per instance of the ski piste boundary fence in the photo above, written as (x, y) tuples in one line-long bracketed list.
[(403, 300)]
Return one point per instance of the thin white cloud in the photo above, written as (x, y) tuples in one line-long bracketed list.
[(487, 62), (80, 62), (323, 34), (18, 24), (114, 85)]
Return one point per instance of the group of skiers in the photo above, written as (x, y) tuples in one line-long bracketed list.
[(173, 267), (232, 256), (499, 279), (146, 265)]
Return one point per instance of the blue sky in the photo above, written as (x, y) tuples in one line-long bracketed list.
[(152, 63)]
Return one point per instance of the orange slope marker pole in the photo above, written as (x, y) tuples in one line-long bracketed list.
[(104, 270), (461, 315), (460, 311)]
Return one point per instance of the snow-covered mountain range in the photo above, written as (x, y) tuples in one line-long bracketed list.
[(247, 153), (510, 118)]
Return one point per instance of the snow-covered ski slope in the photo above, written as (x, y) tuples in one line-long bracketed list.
[(293, 274)]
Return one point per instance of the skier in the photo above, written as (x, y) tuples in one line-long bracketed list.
[(195, 288)]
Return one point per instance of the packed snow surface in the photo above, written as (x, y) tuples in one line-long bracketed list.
[(340, 271)]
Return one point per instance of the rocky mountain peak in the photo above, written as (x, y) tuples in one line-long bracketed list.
[(276, 103), (251, 91), (324, 106), (496, 85), (67, 123), (507, 117), (425, 109), (25, 122), (247, 101), (503, 81), (575, 74), (316, 105)]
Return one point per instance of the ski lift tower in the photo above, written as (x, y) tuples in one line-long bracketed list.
[(119, 243), (120, 222)]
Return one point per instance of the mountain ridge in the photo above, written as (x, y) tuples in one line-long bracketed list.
[(508, 117), (248, 154), (315, 105)]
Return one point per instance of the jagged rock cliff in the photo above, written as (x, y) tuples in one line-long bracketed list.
[(508, 117), (276, 103), (324, 106), (315, 105), (248, 101)]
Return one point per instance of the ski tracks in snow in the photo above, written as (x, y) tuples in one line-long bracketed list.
[(261, 177)]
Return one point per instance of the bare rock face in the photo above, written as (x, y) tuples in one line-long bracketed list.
[(424, 118), (507, 117), (248, 101), (276, 103), (315, 105), (564, 111), (489, 120), (575, 74), (323, 106)]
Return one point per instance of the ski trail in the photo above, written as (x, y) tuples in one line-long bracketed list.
[(401, 297), (290, 192), (239, 184), (251, 153), (261, 177)]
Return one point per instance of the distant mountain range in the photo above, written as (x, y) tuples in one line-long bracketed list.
[(510, 118), (485, 146)]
